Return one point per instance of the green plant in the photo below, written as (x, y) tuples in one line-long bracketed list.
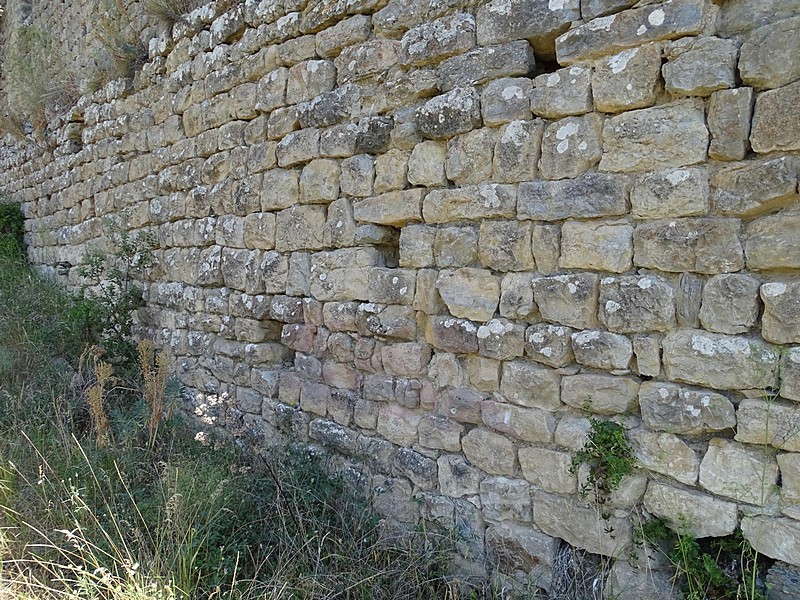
[(169, 12), (608, 456), (122, 51), (12, 229)]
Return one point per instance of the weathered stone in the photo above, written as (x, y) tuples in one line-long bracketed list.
[(319, 181), (757, 64), (406, 360), (700, 515), (391, 286), (309, 79), (571, 146), (636, 303), (740, 16), (470, 202), (342, 274), (506, 245), (457, 111), (271, 90), (456, 246), (790, 374), (549, 344), (486, 63), (300, 228), (505, 100), (453, 335), (370, 135), (501, 339), (692, 244), (416, 246), (593, 195), (469, 293), (700, 66), (516, 297), (587, 245), (387, 321), (607, 35), (392, 208), (772, 422), (546, 240), (665, 453), (398, 424), (562, 93), (600, 394), (345, 33), (530, 385), (628, 80), (366, 59), (298, 147), (491, 452), (670, 193), (730, 303), (568, 299), (729, 114), (517, 151), (505, 499), (241, 270), (392, 497), (719, 361), (772, 242), (548, 469), (432, 41), (426, 164), (789, 464), (581, 527), (626, 582), (647, 349), (523, 552), (781, 320), (357, 176), (743, 473), (673, 135), (776, 120), (441, 433), (281, 122), (469, 157), (669, 407), (572, 432), (602, 350), (462, 404), (483, 373), (754, 187), (457, 477), (776, 538), (340, 227), (421, 470), (527, 424)]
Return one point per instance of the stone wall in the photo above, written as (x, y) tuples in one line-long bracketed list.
[(434, 237)]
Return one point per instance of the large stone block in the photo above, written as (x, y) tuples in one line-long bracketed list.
[(754, 187), (599, 394), (562, 93), (469, 157), (729, 114), (700, 66), (671, 193), (790, 374), (454, 112), (772, 242), (319, 181), (602, 350), (669, 407), (730, 303), (627, 80), (432, 41), (516, 297), (506, 99), (441, 433), (771, 422), (517, 150), (570, 147), (493, 453), (486, 63), (345, 33), (342, 274), (598, 246), (522, 552), (298, 147), (741, 16), (701, 515), (398, 424), (530, 385), (774, 537), (549, 344), (506, 245), (358, 176), (300, 228), (637, 303), (776, 120), (757, 64), (392, 208), (526, 424), (505, 499), (426, 164), (472, 202), (546, 241), (457, 477), (719, 361), (309, 79), (568, 299), (691, 244), (781, 321), (367, 59), (672, 135), (453, 335), (593, 195), (469, 293), (501, 339), (665, 453), (456, 246), (548, 470), (744, 473)]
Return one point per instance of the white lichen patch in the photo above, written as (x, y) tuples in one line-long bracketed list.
[(656, 17), (618, 62), (771, 290)]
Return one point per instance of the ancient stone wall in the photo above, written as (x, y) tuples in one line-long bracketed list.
[(435, 237)]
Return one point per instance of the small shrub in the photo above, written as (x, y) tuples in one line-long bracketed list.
[(170, 12), (12, 229), (122, 52)]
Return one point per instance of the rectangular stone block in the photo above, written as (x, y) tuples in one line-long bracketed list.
[(590, 245), (776, 120), (729, 114), (516, 151), (568, 299), (753, 187), (471, 202), (637, 303), (393, 208), (593, 195), (486, 63), (682, 192), (343, 274), (600, 394), (627, 80), (772, 242), (435, 40)]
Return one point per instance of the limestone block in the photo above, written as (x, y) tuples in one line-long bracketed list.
[(505, 499), (491, 452), (527, 424), (506, 99), (587, 245), (309, 79), (757, 64), (670, 193), (516, 296), (230, 231), (562, 93), (449, 114), (442, 433), (345, 33), (340, 227), (469, 293), (729, 114), (549, 344), (517, 151), (571, 146), (754, 187), (342, 274), (776, 120), (776, 423), (391, 170), (772, 242), (548, 470), (581, 527), (319, 181), (689, 244), (600, 394), (469, 157), (568, 299), (456, 246), (719, 361), (789, 464), (241, 270), (610, 34), (298, 147), (702, 515), (470, 202), (391, 208), (743, 473), (665, 453), (627, 80), (398, 424), (271, 91), (730, 303), (636, 303), (300, 228), (366, 59), (592, 195), (420, 469), (286, 309), (535, 20), (669, 407), (416, 246), (672, 135), (462, 404), (314, 398), (700, 66), (406, 360), (483, 373), (522, 552), (275, 269), (282, 121), (457, 477), (392, 286), (453, 335), (357, 176), (527, 384), (598, 8), (330, 108), (501, 339), (790, 374), (506, 245), (546, 240), (426, 164), (386, 321), (774, 537), (572, 432), (485, 63), (781, 321), (433, 41), (740, 16), (602, 349)]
